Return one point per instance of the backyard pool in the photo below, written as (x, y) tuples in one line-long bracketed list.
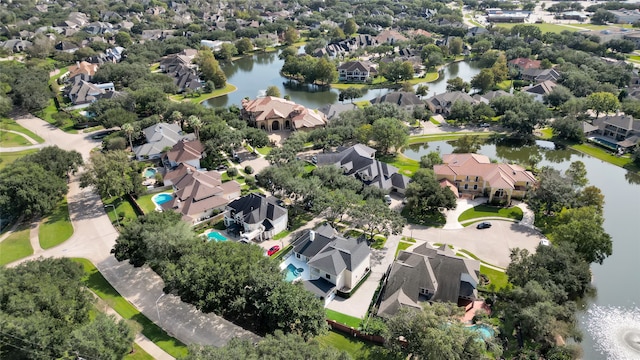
[(485, 332), (604, 143), (161, 198), (150, 172), (292, 273), (216, 236)]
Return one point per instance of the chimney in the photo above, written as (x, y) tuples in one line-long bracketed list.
[(189, 171), (312, 235)]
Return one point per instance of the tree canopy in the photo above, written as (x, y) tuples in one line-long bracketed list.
[(112, 174), (425, 195)]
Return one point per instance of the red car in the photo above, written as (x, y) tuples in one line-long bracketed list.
[(274, 249)]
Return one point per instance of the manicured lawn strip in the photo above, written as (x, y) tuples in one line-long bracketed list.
[(554, 28), (402, 246), (547, 133), (146, 203), (434, 121), (497, 278), (122, 206), (404, 164), (264, 151), (8, 139), (450, 136), (344, 319), (481, 211), (10, 124), (282, 234), (281, 253), (602, 154), (229, 88), (408, 239), (6, 158), (94, 280), (56, 228), (356, 348), (138, 354), (16, 246), (378, 242), (429, 77)]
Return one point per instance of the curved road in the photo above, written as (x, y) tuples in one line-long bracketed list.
[(93, 238)]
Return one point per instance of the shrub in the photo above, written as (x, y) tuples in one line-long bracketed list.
[(232, 172), (248, 169)]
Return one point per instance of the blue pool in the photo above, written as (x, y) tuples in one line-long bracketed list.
[(604, 143), (150, 172), (216, 236), (161, 198), (485, 332), (292, 273)]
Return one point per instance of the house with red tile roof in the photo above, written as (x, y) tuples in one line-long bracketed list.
[(524, 63), (82, 68), (271, 113), (475, 174), (184, 151)]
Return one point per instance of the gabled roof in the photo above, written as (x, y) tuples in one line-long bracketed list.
[(525, 63), (399, 98), (185, 151), (82, 67), (542, 88), (256, 209), (626, 122), (333, 110), (447, 99), (159, 137), (358, 65), (270, 107)]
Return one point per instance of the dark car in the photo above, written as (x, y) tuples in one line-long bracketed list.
[(102, 134), (483, 225), (274, 249)]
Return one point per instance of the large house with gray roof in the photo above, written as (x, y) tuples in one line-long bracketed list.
[(622, 129), (429, 274), (359, 161), (335, 263), (255, 217), (160, 137), (442, 103), (403, 99), (357, 71)]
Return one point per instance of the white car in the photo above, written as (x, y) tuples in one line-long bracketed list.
[(545, 242)]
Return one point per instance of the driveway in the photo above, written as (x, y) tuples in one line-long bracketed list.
[(93, 238)]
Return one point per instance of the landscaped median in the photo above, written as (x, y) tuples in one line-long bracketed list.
[(16, 246), (57, 228), (94, 280), (229, 88), (486, 211)]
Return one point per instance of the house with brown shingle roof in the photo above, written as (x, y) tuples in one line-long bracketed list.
[(521, 64), (271, 113), (184, 151), (540, 90), (82, 67), (474, 174), (198, 195)]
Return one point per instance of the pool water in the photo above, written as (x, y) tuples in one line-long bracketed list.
[(216, 236), (162, 198), (484, 331), (604, 142), (150, 172), (292, 273)]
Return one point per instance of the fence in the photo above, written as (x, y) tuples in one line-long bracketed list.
[(354, 332)]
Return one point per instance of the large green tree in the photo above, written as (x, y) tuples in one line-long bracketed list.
[(55, 160), (374, 216), (425, 195), (603, 102), (582, 227), (397, 71), (112, 174), (389, 133)]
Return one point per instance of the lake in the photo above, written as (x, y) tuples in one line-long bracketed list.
[(253, 74), (615, 280)]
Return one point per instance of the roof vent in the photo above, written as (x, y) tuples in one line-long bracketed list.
[(312, 235)]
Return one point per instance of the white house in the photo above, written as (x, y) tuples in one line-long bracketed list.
[(255, 217)]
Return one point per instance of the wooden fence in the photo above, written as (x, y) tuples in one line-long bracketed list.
[(355, 332)]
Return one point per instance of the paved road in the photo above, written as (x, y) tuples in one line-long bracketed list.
[(93, 238)]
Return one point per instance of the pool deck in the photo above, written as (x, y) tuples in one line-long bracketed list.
[(305, 275)]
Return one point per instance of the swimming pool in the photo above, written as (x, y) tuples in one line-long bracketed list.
[(216, 236), (161, 198), (485, 332), (150, 172), (292, 273), (604, 143)]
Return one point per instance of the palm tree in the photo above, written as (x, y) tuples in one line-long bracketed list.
[(128, 129), (196, 124), (176, 116)]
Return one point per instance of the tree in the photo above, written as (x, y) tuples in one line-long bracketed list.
[(336, 204), (375, 217), (429, 160), (483, 81), (256, 137), (591, 196), (273, 91), (388, 133), (5, 106), (210, 68), (499, 69), (568, 128), (195, 124), (457, 84), (244, 46), (123, 39), (432, 333), (291, 35), (397, 71), (455, 46), (582, 227), (350, 26), (325, 72), (26, 188), (116, 116), (425, 195), (55, 160), (467, 144), (577, 174), (112, 174), (602, 17), (422, 90), (558, 96), (288, 51), (461, 111), (129, 130), (226, 52), (351, 93), (603, 102), (553, 192), (520, 113)]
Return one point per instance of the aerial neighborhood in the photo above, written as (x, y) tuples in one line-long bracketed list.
[(318, 180)]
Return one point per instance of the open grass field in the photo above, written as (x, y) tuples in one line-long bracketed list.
[(10, 124), (599, 153), (354, 322), (419, 139), (229, 88), (94, 280), (404, 164), (57, 228), (356, 348), (6, 158), (16, 246), (481, 211)]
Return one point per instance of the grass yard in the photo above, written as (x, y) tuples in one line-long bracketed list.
[(356, 348), (599, 153), (138, 354), (429, 77), (146, 203), (229, 88), (6, 158), (308, 167), (546, 134), (94, 280), (123, 209), (57, 228), (16, 246), (354, 322), (545, 28), (402, 246), (264, 151), (481, 211), (378, 242), (404, 164), (10, 124), (55, 77), (498, 278), (419, 139), (8, 139), (434, 121), (281, 235)]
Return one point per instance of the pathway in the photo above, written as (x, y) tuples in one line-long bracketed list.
[(29, 139), (93, 239), (34, 239), (462, 206)]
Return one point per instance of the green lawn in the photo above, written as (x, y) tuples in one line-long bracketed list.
[(56, 76), (378, 242), (354, 322), (497, 278), (481, 211), (47, 113), (404, 164), (402, 246), (138, 354), (123, 209), (282, 234), (554, 28), (229, 88), (6, 158), (264, 151), (94, 280), (10, 124), (602, 154), (546, 134), (146, 203), (356, 348), (16, 246), (419, 139), (57, 228), (309, 168), (8, 139)]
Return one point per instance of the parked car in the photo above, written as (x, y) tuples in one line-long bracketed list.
[(387, 199), (545, 242), (274, 249), (485, 125), (314, 159), (102, 134), (483, 225)]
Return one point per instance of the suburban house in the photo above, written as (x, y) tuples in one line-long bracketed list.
[(199, 195), (160, 137), (539, 75), (356, 71), (474, 174), (623, 129), (271, 113), (185, 57), (540, 90), (332, 111), (405, 100), (185, 78), (184, 151), (442, 103), (16, 45), (390, 37), (255, 217), (429, 274), (359, 161), (335, 263), (521, 64), (82, 92), (488, 96), (82, 68)]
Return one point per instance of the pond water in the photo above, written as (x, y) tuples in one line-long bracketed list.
[(253, 74), (616, 279)]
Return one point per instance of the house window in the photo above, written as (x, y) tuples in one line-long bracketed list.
[(466, 186), (477, 178), (467, 179), (475, 187), (298, 256), (327, 276)]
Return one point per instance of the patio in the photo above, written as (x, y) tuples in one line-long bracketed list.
[(304, 275)]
